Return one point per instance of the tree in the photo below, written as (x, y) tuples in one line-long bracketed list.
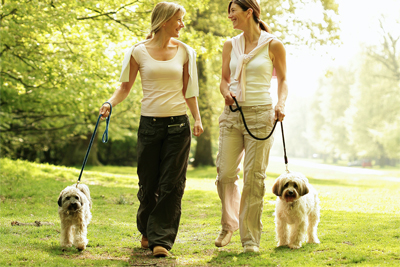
[(60, 60), (213, 28), (56, 63), (377, 121), (332, 114), (356, 113)]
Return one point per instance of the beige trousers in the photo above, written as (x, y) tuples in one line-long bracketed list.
[(243, 210)]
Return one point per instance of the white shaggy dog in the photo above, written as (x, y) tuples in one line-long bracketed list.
[(297, 210), (74, 210)]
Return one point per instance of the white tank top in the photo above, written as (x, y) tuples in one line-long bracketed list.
[(258, 78), (162, 83)]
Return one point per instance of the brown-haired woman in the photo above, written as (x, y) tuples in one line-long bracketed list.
[(248, 61), (169, 82)]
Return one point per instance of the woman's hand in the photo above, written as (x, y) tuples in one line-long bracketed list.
[(198, 128), (279, 112), (105, 110), (228, 96)]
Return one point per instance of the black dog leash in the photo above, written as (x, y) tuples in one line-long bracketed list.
[(239, 108), (104, 139)]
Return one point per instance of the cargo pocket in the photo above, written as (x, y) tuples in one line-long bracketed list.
[(140, 194), (258, 187), (259, 120), (180, 188), (146, 135), (225, 121), (177, 128)]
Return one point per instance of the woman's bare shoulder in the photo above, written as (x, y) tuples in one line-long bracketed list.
[(276, 45), (227, 45)]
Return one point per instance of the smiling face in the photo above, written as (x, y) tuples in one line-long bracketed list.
[(174, 25), (237, 16)]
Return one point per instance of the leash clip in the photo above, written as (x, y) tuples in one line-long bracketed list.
[(287, 170)]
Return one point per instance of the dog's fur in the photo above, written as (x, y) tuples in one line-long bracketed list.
[(297, 210), (74, 210)]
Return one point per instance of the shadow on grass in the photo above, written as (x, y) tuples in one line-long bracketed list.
[(225, 258), (141, 257)]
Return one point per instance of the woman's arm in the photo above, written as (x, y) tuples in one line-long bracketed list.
[(192, 103), (226, 74), (278, 57), (122, 92)]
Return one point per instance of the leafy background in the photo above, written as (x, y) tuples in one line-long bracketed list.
[(60, 60)]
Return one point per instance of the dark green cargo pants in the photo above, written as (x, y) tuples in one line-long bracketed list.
[(163, 151)]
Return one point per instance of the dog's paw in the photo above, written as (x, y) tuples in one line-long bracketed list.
[(282, 244), (66, 245), (295, 246), (81, 247), (314, 240)]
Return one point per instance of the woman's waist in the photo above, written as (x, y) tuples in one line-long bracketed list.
[(251, 86), (251, 108)]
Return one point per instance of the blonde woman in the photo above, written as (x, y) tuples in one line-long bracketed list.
[(248, 61), (169, 82)]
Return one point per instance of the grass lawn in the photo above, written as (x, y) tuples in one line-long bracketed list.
[(360, 222)]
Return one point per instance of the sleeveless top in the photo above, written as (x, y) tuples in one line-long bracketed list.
[(258, 78), (162, 83)]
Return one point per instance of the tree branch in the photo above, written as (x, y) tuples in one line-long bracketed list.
[(21, 81), (107, 13), (2, 16), (5, 49), (32, 129), (65, 41)]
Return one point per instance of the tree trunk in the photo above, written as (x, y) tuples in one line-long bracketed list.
[(203, 155), (75, 152)]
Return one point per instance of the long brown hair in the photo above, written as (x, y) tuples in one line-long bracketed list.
[(245, 5)]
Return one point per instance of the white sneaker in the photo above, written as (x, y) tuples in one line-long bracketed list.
[(224, 238), (249, 248)]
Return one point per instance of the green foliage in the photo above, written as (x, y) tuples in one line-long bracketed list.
[(332, 103), (60, 60), (29, 192), (211, 28)]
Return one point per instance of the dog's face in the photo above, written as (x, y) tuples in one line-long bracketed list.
[(290, 186), (72, 199)]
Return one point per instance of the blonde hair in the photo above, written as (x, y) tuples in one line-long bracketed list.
[(163, 12), (253, 4)]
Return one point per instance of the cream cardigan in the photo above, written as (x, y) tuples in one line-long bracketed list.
[(193, 85)]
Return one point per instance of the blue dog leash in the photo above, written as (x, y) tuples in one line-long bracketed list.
[(104, 139)]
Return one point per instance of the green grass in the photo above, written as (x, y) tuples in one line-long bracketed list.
[(360, 222)]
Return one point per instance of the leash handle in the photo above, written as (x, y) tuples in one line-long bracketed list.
[(239, 108), (104, 139)]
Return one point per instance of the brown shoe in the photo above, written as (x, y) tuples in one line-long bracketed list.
[(144, 244), (159, 251)]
